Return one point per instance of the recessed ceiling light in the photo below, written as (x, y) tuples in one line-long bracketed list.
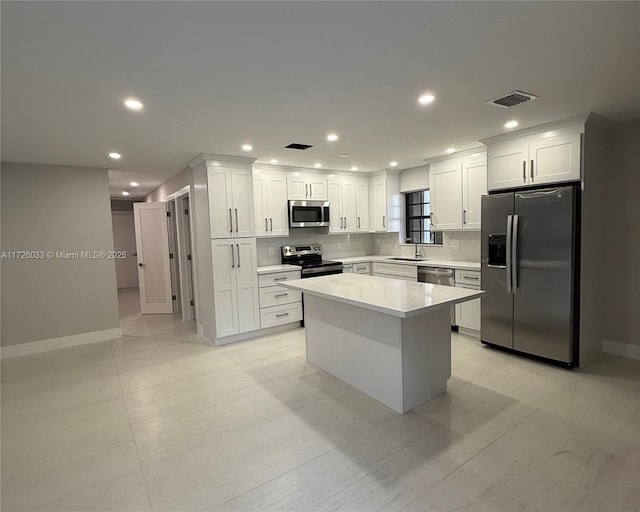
[(115, 156), (393, 164), (274, 161), (344, 155), (354, 168), (247, 147), (511, 124), (134, 184), (426, 99), (332, 137), (317, 165), (133, 104), (125, 193), (451, 150)]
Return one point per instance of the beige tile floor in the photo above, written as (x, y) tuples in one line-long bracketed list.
[(159, 420)]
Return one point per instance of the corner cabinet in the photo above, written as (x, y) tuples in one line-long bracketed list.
[(307, 187), (349, 203), (456, 185), (270, 204), (235, 276), (553, 156), (230, 202), (386, 212)]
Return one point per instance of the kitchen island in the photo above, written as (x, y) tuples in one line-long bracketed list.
[(389, 338)]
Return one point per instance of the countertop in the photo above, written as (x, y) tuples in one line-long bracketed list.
[(460, 265), (271, 269), (390, 296)]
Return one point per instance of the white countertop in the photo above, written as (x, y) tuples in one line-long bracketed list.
[(272, 269), (390, 296), (461, 265)]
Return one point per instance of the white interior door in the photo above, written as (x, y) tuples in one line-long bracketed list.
[(152, 242), (124, 239)]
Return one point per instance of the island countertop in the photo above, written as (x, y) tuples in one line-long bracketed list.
[(390, 296)]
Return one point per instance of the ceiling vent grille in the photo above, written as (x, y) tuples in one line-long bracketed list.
[(512, 99), (301, 147)]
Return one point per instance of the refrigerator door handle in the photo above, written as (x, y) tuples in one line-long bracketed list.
[(514, 257), (508, 248)]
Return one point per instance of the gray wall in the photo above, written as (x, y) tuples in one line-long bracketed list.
[(56, 208), (621, 238)]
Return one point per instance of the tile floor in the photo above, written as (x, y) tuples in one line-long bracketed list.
[(159, 420)]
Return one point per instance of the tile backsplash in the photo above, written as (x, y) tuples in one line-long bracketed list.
[(337, 246)]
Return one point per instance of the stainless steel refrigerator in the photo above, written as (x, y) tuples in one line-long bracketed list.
[(529, 261)]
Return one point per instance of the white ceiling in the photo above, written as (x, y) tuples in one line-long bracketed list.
[(215, 75)]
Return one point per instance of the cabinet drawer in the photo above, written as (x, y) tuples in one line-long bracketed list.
[(347, 269), (274, 295), (279, 315), (277, 277), (394, 270), (361, 268), (471, 277)]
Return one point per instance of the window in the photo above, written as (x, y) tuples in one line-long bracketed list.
[(418, 217)]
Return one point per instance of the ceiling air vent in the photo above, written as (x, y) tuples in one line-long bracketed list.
[(512, 99), (301, 147)]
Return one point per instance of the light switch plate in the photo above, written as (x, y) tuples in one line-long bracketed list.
[(271, 251), (338, 245), (455, 243), (377, 241)]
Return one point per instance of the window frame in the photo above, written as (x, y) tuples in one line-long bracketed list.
[(434, 237)]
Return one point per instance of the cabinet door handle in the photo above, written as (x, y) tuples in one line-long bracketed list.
[(306, 190), (283, 314), (524, 171), (238, 248), (531, 170), (266, 226), (279, 278), (230, 221), (471, 277), (236, 220), (281, 295), (271, 223), (358, 222), (384, 221), (310, 190), (361, 268), (464, 216), (233, 257)]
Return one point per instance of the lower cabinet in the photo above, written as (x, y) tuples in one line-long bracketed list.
[(396, 271), (468, 313), (278, 305), (235, 282), (357, 268)]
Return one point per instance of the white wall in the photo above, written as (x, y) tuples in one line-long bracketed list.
[(415, 178), (56, 208), (621, 238)]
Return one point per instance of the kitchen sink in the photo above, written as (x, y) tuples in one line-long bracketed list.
[(407, 259)]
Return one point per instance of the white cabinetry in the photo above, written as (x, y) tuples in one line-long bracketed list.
[(311, 187), (385, 205), (396, 271), (230, 202), (548, 157), (457, 185), (235, 286), (278, 305), (270, 204), (357, 268), (468, 313), (349, 204)]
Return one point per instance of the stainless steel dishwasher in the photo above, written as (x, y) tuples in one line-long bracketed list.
[(442, 276)]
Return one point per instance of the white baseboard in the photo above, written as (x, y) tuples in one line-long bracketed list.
[(35, 347), (258, 333), (621, 349)]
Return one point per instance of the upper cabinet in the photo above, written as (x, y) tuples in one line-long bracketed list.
[(230, 202), (307, 187), (349, 204), (552, 156), (270, 203), (386, 212), (457, 185)]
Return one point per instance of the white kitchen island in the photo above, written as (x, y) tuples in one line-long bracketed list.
[(389, 338)]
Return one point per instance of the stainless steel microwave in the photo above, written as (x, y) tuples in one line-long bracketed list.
[(308, 214)]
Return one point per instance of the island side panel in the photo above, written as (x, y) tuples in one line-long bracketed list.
[(359, 346), (426, 357)]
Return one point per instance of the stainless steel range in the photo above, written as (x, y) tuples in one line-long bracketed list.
[(309, 257)]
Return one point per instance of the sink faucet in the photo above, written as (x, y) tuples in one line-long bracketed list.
[(413, 240)]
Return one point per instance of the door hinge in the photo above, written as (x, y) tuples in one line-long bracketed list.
[(191, 302), (168, 214), (173, 297), (170, 256), (189, 257), (186, 211)]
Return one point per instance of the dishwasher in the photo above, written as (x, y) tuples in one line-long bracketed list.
[(442, 276)]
